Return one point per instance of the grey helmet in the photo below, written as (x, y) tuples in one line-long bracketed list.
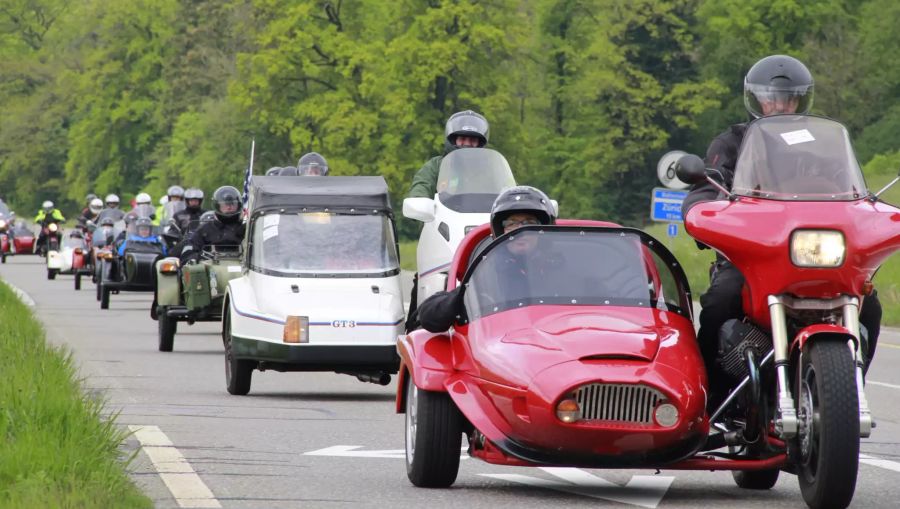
[(273, 171), (193, 194), (465, 123), (111, 201), (520, 199), (312, 164), (175, 192)]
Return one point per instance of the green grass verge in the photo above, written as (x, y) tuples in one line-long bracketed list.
[(56, 449), (408, 254)]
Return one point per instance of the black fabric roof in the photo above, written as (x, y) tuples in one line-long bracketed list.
[(319, 192)]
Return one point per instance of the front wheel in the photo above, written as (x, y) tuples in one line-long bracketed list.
[(78, 280), (104, 296), (167, 328), (828, 411), (238, 372), (433, 437)]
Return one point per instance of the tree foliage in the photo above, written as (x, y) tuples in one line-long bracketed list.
[(583, 96)]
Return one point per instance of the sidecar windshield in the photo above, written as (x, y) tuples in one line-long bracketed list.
[(798, 157), (471, 178), (554, 265)]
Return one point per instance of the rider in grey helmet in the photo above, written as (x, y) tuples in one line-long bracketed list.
[(464, 129), (312, 164), (189, 218)]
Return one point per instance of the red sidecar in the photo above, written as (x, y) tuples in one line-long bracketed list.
[(576, 348)]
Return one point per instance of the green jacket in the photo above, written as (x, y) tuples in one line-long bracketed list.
[(56, 214), (424, 184)]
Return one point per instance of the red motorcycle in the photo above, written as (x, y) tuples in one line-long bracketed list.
[(802, 228)]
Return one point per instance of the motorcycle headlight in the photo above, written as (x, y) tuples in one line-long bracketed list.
[(2, 224), (53, 227), (817, 248)]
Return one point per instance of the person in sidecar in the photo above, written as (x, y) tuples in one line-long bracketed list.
[(225, 230), (464, 129), (143, 233), (514, 208), (777, 84)]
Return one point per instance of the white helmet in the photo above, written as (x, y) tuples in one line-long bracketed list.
[(47, 205), (96, 206), (142, 199), (111, 198)]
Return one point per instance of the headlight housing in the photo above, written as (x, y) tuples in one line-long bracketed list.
[(818, 248)]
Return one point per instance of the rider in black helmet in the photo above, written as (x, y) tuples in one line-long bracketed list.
[(775, 85), (226, 230), (514, 208)]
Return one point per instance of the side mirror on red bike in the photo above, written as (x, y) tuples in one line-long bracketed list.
[(690, 169)]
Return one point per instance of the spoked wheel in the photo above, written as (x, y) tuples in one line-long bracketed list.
[(433, 437), (238, 372), (78, 280), (104, 296), (828, 411), (167, 329)]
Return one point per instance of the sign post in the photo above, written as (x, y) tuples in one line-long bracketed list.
[(665, 206)]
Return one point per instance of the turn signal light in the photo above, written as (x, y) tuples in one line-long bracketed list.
[(296, 329), (168, 266), (568, 411)]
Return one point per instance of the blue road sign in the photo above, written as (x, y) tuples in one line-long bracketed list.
[(665, 205), (672, 230)]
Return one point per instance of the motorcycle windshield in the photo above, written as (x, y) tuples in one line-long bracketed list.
[(540, 265), (115, 214), (171, 208), (324, 244), (72, 241), (798, 157), (471, 178)]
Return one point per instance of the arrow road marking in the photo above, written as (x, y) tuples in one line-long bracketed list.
[(641, 490)]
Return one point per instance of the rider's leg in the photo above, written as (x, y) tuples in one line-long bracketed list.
[(870, 318), (721, 302)]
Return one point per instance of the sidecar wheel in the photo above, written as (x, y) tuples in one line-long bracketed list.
[(78, 280), (828, 410), (755, 479), (433, 437), (167, 329), (104, 297), (238, 372)]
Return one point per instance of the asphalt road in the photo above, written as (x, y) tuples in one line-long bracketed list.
[(253, 451)]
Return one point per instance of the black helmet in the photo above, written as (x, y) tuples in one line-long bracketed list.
[(227, 196), (143, 222), (778, 84), (465, 123), (288, 171), (312, 164), (521, 199), (207, 216), (107, 221), (90, 197), (130, 217), (273, 171)]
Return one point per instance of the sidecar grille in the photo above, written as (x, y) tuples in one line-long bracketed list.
[(624, 403)]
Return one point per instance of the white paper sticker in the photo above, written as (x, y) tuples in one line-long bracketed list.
[(234, 268), (271, 220), (268, 233), (795, 137)]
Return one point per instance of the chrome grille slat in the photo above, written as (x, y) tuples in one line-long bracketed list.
[(624, 403)]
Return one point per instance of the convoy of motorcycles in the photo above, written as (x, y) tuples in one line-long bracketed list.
[(590, 361)]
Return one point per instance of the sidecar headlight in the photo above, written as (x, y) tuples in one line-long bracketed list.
[(568, 411), (817, 248), (666, 415)]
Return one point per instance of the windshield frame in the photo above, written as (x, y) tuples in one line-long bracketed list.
[(671, 263), (262, 212), (774, 194)]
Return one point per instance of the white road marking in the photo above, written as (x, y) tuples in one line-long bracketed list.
[(880, 463), (641, 490), (882, 384), (185, 485), (350, 451), (24, 297)]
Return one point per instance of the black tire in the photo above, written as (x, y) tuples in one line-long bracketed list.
[(828, 444), (78, 280), (167, 329), (755, 479), (238, 372), (433, 437), (99, 290), (104, 296), (51, 274), (3, 257)]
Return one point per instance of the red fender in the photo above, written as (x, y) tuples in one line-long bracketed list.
[(819, 332), (428, 359)]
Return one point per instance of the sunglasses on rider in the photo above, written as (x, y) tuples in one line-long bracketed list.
[(509, 223)]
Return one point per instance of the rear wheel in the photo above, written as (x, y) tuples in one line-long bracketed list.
[(433, 437), (104, 296), (828, 411), (238, 372), (167, 328), (78, 280)]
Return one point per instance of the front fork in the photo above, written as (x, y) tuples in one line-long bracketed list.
[(786, 422)]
